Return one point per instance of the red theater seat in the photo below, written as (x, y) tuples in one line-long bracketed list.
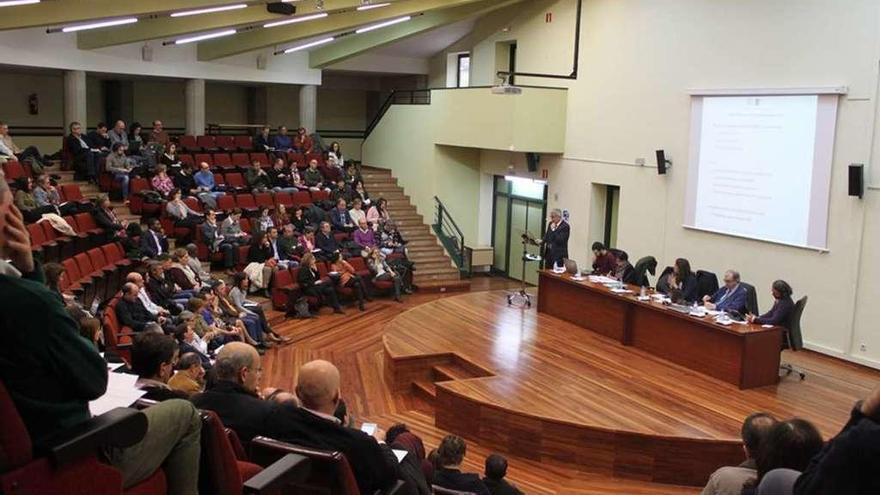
[(244, 143), (204, 158), (225, 143), (188, 143), (206, 143), (223, 161), (246, 202), (241, 160)]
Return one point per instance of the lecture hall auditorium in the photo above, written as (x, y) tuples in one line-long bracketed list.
[(439, 247)]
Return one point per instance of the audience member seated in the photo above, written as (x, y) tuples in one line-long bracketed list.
[(282, 141), (299, 220), (307, 240), (158, 135), (99, 139), (144, 296), (106, 218), (214, 332), (9, 151), (238, 297), (263, 142), (264, 221), (288, 243), (729, 480), (279, 177), (230, 228), (261, 263), (682, 280), (138, 150), (65, 371), (183, 216), (496, 470), (281, 217), (335, 151), (121, 167), (27, 203), (257, 179), (624, 271), (383, 272), (85, 159), (325, 241), (153, 357), (604, 262), (303, 143), (162, 182), (216, 241), (161, 290), (190, 375), (171, 160), (186, 182), (118, 135), (47, 197), (189, 341), (195, 264), (130, 312), (729, 298), (346, 276), (206, 187), (450, 455), (352, 176), (311, 284), (788, 445), (153, 240), (340, 217), (340, 191), (181, 273), (364, 237), (783, 305), (377, 215), (358, 192), (313, 178), (390, 240)]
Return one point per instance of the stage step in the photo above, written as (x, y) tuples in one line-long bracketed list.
[(449, 372), (426, 390)]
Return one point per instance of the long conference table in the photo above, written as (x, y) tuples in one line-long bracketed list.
[(745, 355)]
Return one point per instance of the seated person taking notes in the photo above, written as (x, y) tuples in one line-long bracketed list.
[(604, 262), (730, 297)]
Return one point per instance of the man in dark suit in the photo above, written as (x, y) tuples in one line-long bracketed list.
[(85, 161), (341, 218), (99, 139), (153, 241), (625, 271), (730, 297), (326, 242), (555, 240), (130, 311), (450, 455), (496, 470), (234, 398)]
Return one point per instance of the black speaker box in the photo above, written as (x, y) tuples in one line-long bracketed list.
[(857, 180), (661, 162), (533, 159)]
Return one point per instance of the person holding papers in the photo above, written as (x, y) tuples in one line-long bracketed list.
[(604, 261), (52, 373), (555, 242), (729, 298)]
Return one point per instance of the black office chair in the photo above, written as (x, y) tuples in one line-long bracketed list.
[(794, 339), (707, 284), (662, 280), (643, 267), (751, 298)]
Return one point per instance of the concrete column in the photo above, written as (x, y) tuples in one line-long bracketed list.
[(308, 107), (195, 107), (75, 97)]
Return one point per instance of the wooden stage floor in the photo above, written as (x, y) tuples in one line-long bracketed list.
[(537, 389)]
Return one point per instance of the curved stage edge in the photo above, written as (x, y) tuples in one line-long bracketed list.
[(535, 386)]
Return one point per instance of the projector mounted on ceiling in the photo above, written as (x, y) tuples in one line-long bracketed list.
[(506, 89), (280, 8)]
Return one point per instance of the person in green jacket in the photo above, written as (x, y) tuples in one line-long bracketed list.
[(51, 372)]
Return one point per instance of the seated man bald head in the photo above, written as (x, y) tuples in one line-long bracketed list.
[(317, 386)]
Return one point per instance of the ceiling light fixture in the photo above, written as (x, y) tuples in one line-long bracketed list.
[(94, 25), (373, 6), (210, 10), (13, 3), (295, 20), (383, 24), (201, 37), (309, 45)]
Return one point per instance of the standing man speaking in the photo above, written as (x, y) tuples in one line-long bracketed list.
[(555, 240)]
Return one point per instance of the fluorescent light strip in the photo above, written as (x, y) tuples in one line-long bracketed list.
[(95, 25), (208, 36), (13, 3), (296, 19), (209, 10), (383, 24), (309, 45), (373, 6)]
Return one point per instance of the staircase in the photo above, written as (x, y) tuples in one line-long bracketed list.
[(435, 271)]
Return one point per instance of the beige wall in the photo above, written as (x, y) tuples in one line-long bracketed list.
[(282, 105), (226, 103), (16, 88), (162, 100), (638, 60), (342, 109)]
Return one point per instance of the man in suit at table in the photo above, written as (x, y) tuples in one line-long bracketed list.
[(153, 241), (555, 240), (730, 297)]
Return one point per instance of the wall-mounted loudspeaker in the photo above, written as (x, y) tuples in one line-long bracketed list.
[(532, 160), (261, 61), (147, 53), (662, 163), (281, 8), (857, 180)]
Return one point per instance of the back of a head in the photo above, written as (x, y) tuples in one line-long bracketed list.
[(317, 385), (149, 351), (789, 444), (451, 451), (188, 360), (496, 467), (755, 429)]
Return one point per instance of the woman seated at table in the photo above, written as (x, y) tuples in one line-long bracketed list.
[(782, 307), (681, 278)]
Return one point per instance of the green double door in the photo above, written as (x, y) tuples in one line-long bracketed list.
[(514, 216)]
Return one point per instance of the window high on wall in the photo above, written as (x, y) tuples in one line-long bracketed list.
[(464, 70)]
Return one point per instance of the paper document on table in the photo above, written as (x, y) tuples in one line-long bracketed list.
[(621, 291), (601, 279), (400, 454), (111, 367), (121, 392)]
